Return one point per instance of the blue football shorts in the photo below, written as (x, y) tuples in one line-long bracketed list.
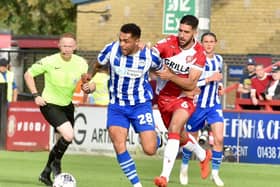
[(140, 116), (210, 115)]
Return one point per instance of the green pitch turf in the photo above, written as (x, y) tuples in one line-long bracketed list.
[(21, 169)]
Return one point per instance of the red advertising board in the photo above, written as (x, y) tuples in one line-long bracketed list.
[(6, 40), (27, 130)]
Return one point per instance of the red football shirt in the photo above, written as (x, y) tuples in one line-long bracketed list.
[(179, 61)]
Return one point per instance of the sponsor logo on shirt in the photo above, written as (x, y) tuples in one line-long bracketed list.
[(128, 72), (189, 59), (174, 66), (142, 63)]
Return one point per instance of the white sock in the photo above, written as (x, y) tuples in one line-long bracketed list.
[(215, 172), (170, 154), (195, 147), (184, 166), (137, 185)]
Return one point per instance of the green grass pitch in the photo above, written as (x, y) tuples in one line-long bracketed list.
[(21, 169)]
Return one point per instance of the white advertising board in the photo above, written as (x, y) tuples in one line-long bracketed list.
[(91, 134)]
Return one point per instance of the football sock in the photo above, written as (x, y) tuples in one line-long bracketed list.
[(186, 156), (137, 185), (57, 151), (170, 154), (61, 147), (216, 160), (192, 145), (128, 167), (50, 159)]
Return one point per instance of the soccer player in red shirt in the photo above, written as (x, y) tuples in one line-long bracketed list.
[(184, 60)]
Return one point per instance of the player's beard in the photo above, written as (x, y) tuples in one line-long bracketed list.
[(124, 51), (129, 50), (185, 44)]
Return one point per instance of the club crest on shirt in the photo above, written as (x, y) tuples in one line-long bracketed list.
[(141, 63), (75, 81), (189, 59), (185, 104)]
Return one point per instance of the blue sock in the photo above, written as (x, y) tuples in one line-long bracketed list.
[(217, 157), (128, 167), (186, 156)]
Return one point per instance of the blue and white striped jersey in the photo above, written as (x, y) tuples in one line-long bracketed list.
[(129, 75), (208, 96)]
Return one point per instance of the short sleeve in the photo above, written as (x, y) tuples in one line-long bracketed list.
[(104, 55), (38, 67), (156, 60)]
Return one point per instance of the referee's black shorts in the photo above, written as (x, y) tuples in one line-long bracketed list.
[(57, 115)]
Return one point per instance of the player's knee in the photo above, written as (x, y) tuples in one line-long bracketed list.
[(68, 137), (150, 149), (119, 145), (119, 148), (66, 131), (218, 141), (150, 152)]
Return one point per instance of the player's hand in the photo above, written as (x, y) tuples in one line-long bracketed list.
[(88, 87), (216, 77), (40, 101), (221, 90), (85, 77), (192, 94), (166, 73)]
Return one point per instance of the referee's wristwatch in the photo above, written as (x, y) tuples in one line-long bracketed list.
[(34, 95)]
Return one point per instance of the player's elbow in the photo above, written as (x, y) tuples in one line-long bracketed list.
[(189, 87), (27, 76)]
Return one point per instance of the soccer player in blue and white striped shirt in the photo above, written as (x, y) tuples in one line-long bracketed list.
[(130, 96), (208, 109)]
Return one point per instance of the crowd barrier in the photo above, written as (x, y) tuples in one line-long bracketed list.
[(252, 135), (265, 105)]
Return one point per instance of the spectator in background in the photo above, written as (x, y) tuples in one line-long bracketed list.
[(273, 89), (259, 84), (101, 94), (7, 76), (244, 86)]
